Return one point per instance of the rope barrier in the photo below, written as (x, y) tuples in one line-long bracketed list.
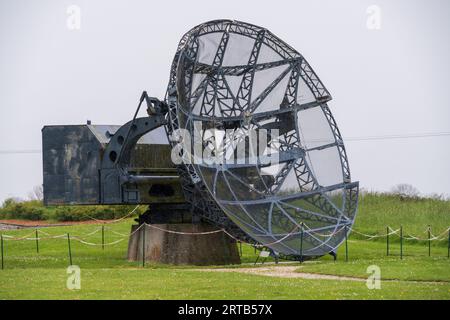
[(184, 233), (116, 220), (34, 238), (440, 237), (11, 238), (373, 236), (82, 238), (260, 245), (96, 244), (84, 235), (49, 236), (327, 235), (117, 233), (443, 234)]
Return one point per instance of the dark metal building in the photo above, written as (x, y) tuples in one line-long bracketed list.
[(73, 155)]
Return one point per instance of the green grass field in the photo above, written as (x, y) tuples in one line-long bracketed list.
[(376, 211), (105, 274)]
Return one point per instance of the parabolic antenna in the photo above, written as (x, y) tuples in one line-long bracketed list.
[(231, 84)]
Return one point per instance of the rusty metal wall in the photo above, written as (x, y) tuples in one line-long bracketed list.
[(72, 157), (151, 156)]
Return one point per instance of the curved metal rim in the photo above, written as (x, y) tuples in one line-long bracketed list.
[(302, 70)]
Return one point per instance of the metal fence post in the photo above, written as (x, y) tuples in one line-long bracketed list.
[(103, 237), (240, 248), (301, 242), (1, 236), (448, 249), (143, 245), (37, 241), (401, 242), (70, 250), (429, 241), (387, 241), (346, 244)]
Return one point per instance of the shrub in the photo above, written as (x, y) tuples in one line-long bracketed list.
[(35, 210)]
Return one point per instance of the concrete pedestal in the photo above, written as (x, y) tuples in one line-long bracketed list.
[(174, 248)]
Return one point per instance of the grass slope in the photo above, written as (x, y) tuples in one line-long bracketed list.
[(376, 211)]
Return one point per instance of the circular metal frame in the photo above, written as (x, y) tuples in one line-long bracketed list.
[(237, 76)]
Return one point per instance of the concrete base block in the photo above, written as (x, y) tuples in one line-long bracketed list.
[(174, 248)]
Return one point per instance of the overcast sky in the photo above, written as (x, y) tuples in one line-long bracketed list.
[(388, 81)]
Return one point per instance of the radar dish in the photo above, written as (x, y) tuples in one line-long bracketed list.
[(234, 83)]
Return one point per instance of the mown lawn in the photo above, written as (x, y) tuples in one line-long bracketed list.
[(105, 274), (416, 265), (133, 283)]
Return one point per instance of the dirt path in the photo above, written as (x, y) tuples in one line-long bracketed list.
[(283, 272), (290, 272)]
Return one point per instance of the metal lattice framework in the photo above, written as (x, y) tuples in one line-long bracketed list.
[(234, 75)]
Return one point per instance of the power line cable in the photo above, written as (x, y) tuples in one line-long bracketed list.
[(399, 136), (20, 151), (361, 138)]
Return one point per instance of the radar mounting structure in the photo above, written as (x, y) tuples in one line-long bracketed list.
[(259, 155)]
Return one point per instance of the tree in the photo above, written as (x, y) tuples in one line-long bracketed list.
[(405, 190), (10, 201), (37, 193)]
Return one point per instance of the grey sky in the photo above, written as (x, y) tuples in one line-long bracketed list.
[(388, 81)]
